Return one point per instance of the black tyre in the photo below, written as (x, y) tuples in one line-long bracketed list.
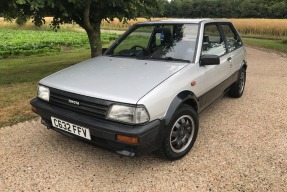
[(181, 134), (236, 90)]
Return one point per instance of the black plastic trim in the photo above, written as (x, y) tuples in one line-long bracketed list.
[(215, 93), (177, 101), (104, 131), (233, 30)]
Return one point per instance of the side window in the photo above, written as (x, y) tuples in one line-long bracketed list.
[(213, 43), (233, 40)]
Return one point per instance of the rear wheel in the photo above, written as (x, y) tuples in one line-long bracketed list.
[(236, 90), (181, 135)]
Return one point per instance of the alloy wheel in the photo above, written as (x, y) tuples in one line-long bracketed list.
[(182, 133)]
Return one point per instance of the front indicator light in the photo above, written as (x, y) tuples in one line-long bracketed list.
[(126, 139)]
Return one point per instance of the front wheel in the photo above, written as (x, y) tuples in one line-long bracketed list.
[(181, 135)]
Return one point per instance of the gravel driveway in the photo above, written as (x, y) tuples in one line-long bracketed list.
[(241, 146)]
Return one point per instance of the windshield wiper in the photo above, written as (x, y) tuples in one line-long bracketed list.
[(164, 59), (123, 55), (176, 59)]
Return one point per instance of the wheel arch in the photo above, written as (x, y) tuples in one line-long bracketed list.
[(244, 65), (184, 97)]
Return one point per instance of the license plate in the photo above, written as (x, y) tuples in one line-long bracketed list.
[(71, 128)]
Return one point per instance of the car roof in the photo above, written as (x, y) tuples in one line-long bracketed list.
[(171, 21)]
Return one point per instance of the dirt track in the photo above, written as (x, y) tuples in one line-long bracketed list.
[(242, 146)]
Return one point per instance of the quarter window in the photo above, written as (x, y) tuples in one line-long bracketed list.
[(213, 43), (233, 40)]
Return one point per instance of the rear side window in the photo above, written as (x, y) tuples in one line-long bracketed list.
[(213, 43), (233, 40)]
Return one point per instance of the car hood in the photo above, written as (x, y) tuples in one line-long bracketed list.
[(116, 79)]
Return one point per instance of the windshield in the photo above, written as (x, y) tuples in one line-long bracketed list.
[(158, 42)]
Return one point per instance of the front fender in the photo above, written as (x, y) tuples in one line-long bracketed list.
[(184, 97)]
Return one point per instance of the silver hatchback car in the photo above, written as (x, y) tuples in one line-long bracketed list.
[(146, 91)]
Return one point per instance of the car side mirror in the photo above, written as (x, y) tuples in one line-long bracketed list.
[(209, 60), (104, 50)]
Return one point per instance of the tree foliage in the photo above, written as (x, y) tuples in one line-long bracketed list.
[(225, 8), (88, 13)]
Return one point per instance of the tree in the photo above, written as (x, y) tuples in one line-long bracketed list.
[(160, 10), (201, 8), (226, 8), (87, 13), (278, 10), (186, 8)]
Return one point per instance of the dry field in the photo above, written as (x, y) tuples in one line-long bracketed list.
[(30, 26), (264, 28), (259, 28)]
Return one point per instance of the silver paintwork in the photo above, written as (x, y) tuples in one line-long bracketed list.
[(116, 79), (183, 21), (153, 84), (158, 101)]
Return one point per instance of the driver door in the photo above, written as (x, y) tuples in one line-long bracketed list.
[(213, 76)]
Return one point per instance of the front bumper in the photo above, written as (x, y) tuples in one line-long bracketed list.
[(104, 132)]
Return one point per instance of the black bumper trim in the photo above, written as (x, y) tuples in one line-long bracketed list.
[(103, 132)]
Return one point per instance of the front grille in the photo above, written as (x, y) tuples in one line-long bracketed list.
[(87, 105)]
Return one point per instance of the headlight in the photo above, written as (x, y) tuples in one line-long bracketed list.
[(43, 93), (128, 114)]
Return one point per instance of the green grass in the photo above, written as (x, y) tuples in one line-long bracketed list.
[(29, 42), (19, 73), (277, 45), (19, 78)]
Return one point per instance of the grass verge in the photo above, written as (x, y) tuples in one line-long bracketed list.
[(19, 78), (277, 45)]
